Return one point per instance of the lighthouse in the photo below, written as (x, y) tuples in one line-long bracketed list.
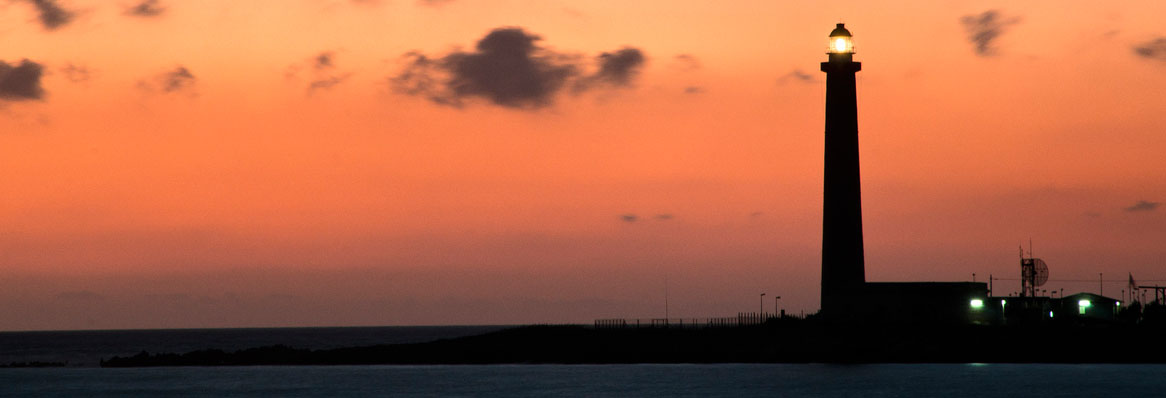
[(843, 267)]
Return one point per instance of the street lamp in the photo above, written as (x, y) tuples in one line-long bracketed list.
[(776, 311), (763, 304)]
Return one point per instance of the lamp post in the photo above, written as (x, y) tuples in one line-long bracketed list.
[(776, 310), (762, 305)]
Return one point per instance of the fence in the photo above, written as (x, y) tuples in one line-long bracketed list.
[(742, 319)]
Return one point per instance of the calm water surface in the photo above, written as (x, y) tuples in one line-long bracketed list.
[(82, 349), (731, 380)]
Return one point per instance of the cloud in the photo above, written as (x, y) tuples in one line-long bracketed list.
[(21, 82), (619, 68), (1143, 206), (175, 80), (178, 79), (508, 68), (686, 62), (147, 8), (796, 75), (616, 69), (694, 90), (51, 15), (1153, 49), (985, 28), (323, 71), (631, 218), (434, 3), (77, 73), (326, 83), (324, 60)]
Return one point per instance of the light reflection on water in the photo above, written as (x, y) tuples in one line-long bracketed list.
[(728, 380)]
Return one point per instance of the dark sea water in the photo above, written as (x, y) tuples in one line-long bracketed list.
[(82, 350), (729, 380)]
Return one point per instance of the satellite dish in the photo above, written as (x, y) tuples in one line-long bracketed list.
[(1041, 273)]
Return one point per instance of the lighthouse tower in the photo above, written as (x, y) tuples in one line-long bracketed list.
[(843, 268)]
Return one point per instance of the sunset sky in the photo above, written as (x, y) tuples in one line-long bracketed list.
[(221, 163)]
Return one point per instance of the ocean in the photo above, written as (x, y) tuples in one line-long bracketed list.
[(83, 349), (722, 380)]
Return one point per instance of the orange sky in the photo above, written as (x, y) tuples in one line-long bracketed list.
[(240, 196)]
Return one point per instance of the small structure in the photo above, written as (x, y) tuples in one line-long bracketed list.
[(931, 303), (1089, 307)]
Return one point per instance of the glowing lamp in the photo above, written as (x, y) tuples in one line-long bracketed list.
[(841, 42), (977, 303), (1084, 303)]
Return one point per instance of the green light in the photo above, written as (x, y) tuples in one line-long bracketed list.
[(1084, 303), (1050, 314), (977, 303), (1117, 303), (1003, 302)]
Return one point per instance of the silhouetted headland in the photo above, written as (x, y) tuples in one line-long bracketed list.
[(779, 340)]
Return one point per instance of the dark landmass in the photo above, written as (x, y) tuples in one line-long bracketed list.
[(35, 364), (777, 341)]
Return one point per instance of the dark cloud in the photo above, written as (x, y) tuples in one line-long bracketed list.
[(1143, 205), (985, 28), (323, 71), (694, 90), (686, 62), (796, 75), (629, 218), (21, 82), (325, 83), (324, 60), (619, 68), (51, 15), (177, 80), (147, 8), (77, 73), (508, 68), (1153, 49)]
